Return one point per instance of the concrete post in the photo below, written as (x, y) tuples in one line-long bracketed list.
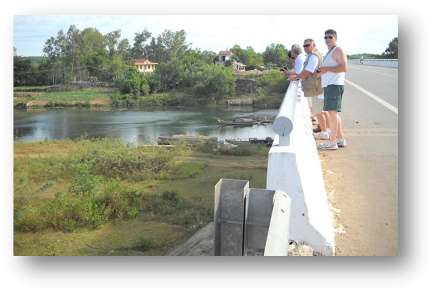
[(278, 237)]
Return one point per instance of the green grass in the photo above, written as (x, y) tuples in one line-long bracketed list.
[(80, 95), (26, 88), (109, 197)]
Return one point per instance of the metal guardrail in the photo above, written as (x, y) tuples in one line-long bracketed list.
[(250, 219)]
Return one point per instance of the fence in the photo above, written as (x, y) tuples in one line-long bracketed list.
[(391, 63)]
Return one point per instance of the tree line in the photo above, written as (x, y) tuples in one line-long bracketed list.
[(391, 52), (76, 55)]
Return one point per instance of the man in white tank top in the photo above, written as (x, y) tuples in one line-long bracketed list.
[(333, 73)]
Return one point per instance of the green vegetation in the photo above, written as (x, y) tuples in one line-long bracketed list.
[(88, 54), (217, 88), (30, 88), (108, 197), (64, 96)]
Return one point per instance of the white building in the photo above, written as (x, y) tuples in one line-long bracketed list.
[(144, 65), (225, 56)]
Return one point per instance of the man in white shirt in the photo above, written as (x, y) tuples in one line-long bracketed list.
[(298, 56), (315, 95)]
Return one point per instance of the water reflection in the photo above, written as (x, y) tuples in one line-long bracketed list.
[(135, 124)]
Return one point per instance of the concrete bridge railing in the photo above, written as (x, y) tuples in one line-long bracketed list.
[(294, 167), (391, 63)]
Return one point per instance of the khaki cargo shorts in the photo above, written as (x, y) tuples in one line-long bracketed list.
[(318, 102)]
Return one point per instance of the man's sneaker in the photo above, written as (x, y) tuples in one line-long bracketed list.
[(321, 135), (328, 145), (341, 142)]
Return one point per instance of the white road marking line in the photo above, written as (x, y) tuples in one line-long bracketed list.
[(384, 103)]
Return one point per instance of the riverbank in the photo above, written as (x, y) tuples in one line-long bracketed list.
[(65, 96), (264, 90), (107, 197), (104, 97)]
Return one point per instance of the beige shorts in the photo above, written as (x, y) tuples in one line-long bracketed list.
[(317, 103)]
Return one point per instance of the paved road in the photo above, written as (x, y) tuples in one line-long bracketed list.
[(364, 176)]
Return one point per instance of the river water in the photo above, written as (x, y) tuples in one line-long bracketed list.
[(140, 124)]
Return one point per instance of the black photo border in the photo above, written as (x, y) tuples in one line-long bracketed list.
[(267, 272)]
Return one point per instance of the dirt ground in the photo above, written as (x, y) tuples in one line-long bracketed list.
[(331, 183)]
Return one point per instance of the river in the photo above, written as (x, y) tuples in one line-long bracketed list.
[(139, 124)]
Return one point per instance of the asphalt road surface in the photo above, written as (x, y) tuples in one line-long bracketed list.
[(362, 178)]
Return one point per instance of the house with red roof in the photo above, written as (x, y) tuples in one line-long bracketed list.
[(144, 65), (225, 56)]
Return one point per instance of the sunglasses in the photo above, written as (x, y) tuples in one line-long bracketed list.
[(328, 37), (292, 58), (306, 45)]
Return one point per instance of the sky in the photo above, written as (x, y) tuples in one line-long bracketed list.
[(356, 33)]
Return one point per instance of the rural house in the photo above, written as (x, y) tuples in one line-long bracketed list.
[(225, 56), (144, 65)]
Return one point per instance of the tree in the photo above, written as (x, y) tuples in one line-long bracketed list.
[(98, 64), (139, 49), (69, 53), (248, 57), (111, 40), (276, 54), (23, 71), (392, 51), (124, 50), (51, 50), (131, 81), (167, 46), (206, 56), (90, 42)]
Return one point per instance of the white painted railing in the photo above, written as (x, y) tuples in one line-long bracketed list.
[(391, 63), (283, 123), (294, 167), (243, 216)]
